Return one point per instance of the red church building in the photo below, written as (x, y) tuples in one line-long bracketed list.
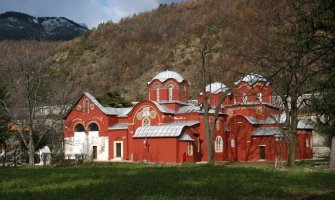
[(166, 126)]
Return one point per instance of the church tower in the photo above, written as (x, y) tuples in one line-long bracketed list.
[(168, 87)]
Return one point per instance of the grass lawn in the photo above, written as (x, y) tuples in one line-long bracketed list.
[(146, 181)]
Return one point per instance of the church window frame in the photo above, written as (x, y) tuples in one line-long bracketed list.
[(170, 92), (244, 98), (259, 97), (218, 144), (157, 93), (190, 148)]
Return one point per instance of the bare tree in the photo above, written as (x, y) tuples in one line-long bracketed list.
[(208, 37), (288, 63), (42, 92)]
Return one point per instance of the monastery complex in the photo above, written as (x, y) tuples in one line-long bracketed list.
[(166, 128)]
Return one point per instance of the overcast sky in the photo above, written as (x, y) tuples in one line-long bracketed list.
[(90, 12)]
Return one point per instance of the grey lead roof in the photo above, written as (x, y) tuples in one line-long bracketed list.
[(119, 126), (303, 124), (251, 79), (188, 109), (163, 76), (266, 131), (253, 120), (173, 129), (163, 108), (216, 88), (185, 137), (108, 110)]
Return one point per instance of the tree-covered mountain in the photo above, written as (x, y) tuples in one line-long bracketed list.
[(124, 56), (17, 26)]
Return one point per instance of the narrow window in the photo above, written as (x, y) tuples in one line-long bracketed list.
[(218, 144), (157, 93), (262, 152), (259, 97), (170, 88), (245, 98), (232, 142), (307, 142), (190, 148)]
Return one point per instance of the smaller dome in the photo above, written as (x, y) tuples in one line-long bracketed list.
[(165, 75), (251, 79), (216, 88)]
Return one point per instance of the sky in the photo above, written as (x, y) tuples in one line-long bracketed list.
[(90, 12)]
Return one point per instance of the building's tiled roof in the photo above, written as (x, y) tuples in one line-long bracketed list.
[(173, 129), (119, 126), (266, 131)]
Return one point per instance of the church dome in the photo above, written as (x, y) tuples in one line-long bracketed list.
[(216, 88), (251, 79), (165, 75)]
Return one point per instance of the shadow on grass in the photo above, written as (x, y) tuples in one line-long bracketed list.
[(138, 181)]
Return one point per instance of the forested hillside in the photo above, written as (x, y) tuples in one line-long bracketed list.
[(124, 56)]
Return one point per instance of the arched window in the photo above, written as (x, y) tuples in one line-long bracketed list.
[(93, 127), (232, 142), (218, 144), (190, 148), (307, 142), (259, 97), (145, 122), (79, 128), (170, 91), (245, 98)]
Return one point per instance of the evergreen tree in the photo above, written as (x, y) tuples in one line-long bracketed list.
[(323, 43), (113, 99)]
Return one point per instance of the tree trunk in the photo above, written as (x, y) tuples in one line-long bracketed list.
[(31, 149), (292, 131), (291, 148), (208, 132), (210, 147), (332, 154)]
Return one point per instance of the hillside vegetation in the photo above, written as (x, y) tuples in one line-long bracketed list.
[(124, 56)]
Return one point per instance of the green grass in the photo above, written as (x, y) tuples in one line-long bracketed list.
[(145, 181)]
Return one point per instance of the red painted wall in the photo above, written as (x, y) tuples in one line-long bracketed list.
[(83, 113), (163, 150), (304, 148), (179, 91), (170, 150), (251, 92)]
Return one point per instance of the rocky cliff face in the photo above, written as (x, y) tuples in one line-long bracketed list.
[(16, 26)]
